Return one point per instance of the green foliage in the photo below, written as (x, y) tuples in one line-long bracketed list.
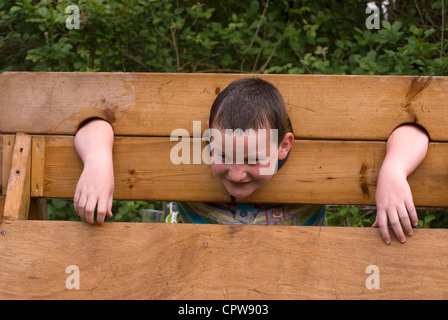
[(223, 36), (432, 218), (131, 211), (125, 211), (59, 209), (364, 216), (350, 216)]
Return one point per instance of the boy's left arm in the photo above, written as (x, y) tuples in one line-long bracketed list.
[(406, 148)]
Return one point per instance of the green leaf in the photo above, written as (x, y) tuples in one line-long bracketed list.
[(428, 218), (386, 25), (15, 9), (372, 55), (254, 7), (58, 204), (43, 12), (429, 32), (396, 26)]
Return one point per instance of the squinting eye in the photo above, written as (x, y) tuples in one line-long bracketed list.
[(226, 159), (255, 161)]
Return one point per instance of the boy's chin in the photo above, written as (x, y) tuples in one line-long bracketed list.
[(242, 192), (239, 194)]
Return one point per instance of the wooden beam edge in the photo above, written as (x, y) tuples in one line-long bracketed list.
[(18, 195)]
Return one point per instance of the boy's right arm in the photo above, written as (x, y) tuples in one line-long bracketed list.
[(93, 143), (406, 148)]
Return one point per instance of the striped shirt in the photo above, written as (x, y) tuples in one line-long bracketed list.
[(245, 213)]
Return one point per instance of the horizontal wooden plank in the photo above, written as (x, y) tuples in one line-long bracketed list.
[(326, 172), (320, 106), (186, 261)]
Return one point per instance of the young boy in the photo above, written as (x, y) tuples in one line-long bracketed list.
[(245, 107), (249, 113)]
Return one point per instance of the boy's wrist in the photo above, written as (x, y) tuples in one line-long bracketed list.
[(99, 158), (393, 168)]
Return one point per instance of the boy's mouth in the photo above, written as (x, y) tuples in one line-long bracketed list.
[(238, 184)]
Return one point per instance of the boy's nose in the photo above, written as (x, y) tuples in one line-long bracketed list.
[(237, 173)]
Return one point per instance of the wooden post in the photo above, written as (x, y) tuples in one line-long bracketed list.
[(2, 205), (38, 205), (37, 166), (7, 147), (17, 200), (38, 209)]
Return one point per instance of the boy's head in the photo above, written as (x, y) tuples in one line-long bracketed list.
[(250, 103), (250, 117)]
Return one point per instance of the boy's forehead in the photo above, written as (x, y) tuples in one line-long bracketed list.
[(255, 137), (248, 141), (240, 134)]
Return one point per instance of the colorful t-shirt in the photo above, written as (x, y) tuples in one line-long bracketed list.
[(245, 213)]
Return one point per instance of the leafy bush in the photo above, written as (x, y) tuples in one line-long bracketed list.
[(125, 211), (223, 36), (364, 216)]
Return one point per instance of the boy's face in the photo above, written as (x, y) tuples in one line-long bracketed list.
[(244, 171)]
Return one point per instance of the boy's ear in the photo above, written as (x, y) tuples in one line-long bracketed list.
[(285, 145)]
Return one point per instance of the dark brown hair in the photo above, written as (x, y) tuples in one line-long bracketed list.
[(250, 103)]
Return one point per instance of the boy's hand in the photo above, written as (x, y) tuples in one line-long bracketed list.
[(395, 205), (406, 149), (95, 189)]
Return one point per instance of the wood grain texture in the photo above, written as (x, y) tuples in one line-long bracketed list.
[(320, 106), (340, 123), (184, 261), (6, 155), (326, 172), (2, 205), (38, 166), (17, 201)]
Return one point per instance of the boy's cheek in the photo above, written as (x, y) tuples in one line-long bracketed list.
[(263, 179), (256, 173), (217, 169)]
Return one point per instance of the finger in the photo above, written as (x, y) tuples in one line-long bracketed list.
[(381, 222), (75, 205), (76, 201), (101, 211), (376, 224), (405, 222), (396, 225), (81, 203), (90, 210), (412, 213), (109, 206)]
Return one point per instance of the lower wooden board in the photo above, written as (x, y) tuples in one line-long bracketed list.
[(45, 259)]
